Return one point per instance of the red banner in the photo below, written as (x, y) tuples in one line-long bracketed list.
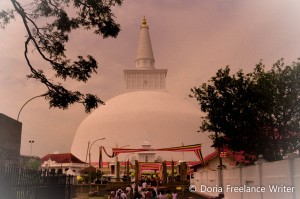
[(195, 148)]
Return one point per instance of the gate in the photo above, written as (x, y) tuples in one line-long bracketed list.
[(17, 182)]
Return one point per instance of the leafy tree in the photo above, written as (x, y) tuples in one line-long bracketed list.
[(257, 113), (33, 164), (93, 175), (48, 24)]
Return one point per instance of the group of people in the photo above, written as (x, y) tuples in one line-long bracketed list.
[(142, 191)]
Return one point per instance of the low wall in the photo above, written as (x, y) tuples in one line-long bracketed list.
[(85, 188), (264, 180)]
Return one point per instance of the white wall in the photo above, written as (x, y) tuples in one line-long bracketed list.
[(297, 177), (262, 174)]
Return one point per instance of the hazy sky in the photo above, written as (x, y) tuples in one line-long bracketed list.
[(192, 39)]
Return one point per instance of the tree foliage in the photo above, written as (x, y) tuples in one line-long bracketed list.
[(93, 175), (257, 112), (48, 24)]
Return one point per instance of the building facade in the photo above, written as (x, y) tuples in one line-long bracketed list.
[(10, 139), (63, 163)]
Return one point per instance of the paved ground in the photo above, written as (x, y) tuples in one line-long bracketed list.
[(187, 195), (190, 195)]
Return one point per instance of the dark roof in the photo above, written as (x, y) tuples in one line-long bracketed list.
[(206, 159), (62, 158), (211, 156)]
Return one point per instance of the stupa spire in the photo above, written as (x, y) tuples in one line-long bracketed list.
[(145, 76), (144, 22), (144, 56)]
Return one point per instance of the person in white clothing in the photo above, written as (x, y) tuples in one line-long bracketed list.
[(123, 195), (144, 185), (139, 188), (155, 189), (174, 195), (133, 187)]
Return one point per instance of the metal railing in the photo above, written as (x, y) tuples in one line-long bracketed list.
[(17, 182)]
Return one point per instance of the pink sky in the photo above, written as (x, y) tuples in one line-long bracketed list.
[(192, 39)]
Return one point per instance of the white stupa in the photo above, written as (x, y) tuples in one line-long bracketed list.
[(147, 110), (146, 156)]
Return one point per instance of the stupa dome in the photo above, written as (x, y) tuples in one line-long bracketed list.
[(147, 112), (129, 118)]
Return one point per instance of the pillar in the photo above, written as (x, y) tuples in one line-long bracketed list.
[(183, 173), (172, 172), (118, 171), (137, 172), (165, 176), (291, 157), (259, 163), (127, 171)]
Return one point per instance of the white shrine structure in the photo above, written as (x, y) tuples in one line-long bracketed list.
[(145, 76), (146, 156), (145, 110)]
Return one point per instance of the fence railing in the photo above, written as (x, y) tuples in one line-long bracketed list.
[(17, 182)]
